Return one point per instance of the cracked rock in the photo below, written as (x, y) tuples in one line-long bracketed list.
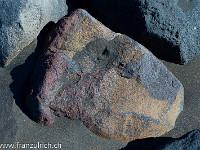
[(114, 85)]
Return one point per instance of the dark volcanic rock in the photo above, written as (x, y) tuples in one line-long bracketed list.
[(107, 80), (177, 21), (190, 141), (21, 22), (169, 28)]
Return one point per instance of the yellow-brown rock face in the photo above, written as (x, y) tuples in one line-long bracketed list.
[(114, 85)]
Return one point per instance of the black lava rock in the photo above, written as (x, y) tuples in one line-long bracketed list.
[(168, 28), (190, 141)]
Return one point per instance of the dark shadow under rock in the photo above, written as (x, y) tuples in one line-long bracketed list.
[(21, 74), (161, 48), (189, 141), (126, 18), (75, 4), (148, 143)]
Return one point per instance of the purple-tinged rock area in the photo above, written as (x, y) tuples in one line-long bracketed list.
[(114, 85)]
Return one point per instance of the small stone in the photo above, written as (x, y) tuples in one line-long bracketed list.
[(114, 85)]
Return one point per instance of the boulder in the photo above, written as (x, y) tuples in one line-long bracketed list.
[(190, 141), (169, 28), (22, 20), (114, 85)]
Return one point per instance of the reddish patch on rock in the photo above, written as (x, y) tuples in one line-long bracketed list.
[(115, 86)]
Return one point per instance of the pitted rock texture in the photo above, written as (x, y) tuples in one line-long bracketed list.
[(190, 141), (178, 21), (21, 21), (114, 85), (174, 23)]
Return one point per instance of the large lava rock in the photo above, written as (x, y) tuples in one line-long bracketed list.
[(114, 85), (22, 20), (169, 28)]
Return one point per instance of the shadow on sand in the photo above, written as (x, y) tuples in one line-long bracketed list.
[(21, 74), (189, 141), (148, 143)]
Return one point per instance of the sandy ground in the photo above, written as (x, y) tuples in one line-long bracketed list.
[(189, 75), (72, 134)]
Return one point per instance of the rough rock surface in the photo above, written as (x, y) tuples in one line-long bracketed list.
[(178, 21), (21, 22), (175, 21), (190, 141), (114, 85)]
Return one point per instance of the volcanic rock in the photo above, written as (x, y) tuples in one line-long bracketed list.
[(172, 25), (22, 20), (190, 141), (114, 85)]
